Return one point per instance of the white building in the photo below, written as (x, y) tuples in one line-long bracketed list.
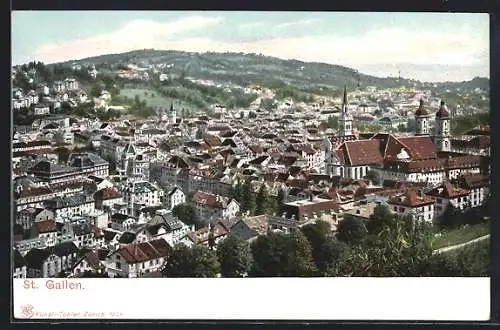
[(175, 197), (414, 204), (70, 206), (138, 259), (212, 208), (447, 194)]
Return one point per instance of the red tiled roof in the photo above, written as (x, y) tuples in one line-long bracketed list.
[(447, 190), (107, 193), (461, 161), (207, 199), (362, 152), (256, 149), (212, 140), (471, 181), (411, 199), (140, 252), (418, 147), (47, 226), (202, 235)]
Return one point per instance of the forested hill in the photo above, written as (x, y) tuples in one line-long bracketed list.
[(243, 69)]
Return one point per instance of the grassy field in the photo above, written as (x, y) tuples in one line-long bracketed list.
[(461, 235), (152, 98)]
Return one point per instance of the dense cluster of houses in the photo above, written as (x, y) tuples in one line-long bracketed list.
[(109, 209)]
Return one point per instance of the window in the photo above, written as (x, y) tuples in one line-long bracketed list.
[(118, 265)]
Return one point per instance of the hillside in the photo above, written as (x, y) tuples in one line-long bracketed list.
[(200, 81), (243, 69)]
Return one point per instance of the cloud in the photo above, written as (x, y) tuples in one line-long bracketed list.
[(251, 25), (297, 23), (134, 35)]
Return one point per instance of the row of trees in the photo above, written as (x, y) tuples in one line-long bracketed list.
[(385, 246)]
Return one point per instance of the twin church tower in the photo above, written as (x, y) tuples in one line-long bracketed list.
[(439, 132)]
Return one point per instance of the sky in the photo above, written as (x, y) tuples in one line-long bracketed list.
[(425, 46)]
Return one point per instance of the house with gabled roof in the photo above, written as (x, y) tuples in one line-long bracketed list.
[(446, 194), (415, 204), (249, 228), (207, 235), (88, 262), (121, 222), (212, 207), (50, 261), (175, 197), (138, 259)]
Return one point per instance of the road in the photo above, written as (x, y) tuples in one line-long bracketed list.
[(458, 246)]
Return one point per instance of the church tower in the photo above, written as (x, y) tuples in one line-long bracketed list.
[(345, 119), (172, 114), (328, 156), (442, 129), (422, 120)]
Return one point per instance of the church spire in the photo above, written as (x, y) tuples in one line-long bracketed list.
[(344, 102)]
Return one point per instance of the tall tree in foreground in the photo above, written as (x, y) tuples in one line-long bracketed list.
[(234, 256), (300, 262), (196, 261), (268, 254), (333, 257), (351, 230), (317, 234), (400, 249), (278, 255), (379, 219)]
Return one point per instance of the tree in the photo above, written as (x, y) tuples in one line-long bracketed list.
[(268, 253), (332, 258), (96, 90), (247, 203), (187, 214), (351, 230), (300, 260), (317, 234), (195, 261), (262, 200), (451, 217), (276, 255), (401, 248), (380, 218), (235, 192), (211, 239), (234, 256), (280, 199)]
